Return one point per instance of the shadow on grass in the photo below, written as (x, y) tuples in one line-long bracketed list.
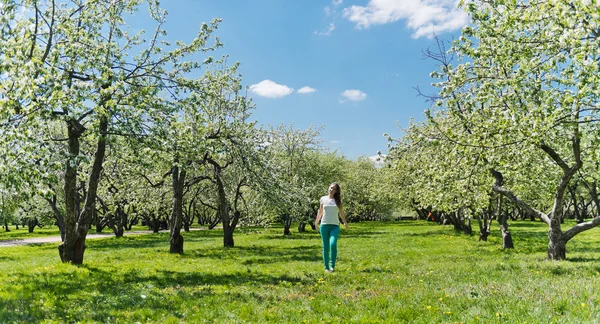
[(81, 295), (106, 281), (528, 224), (529, 236), (295, 236), (249, 255), (583, 260), (361, 234), (436, 232), (376, 270), (137, 241), (152, 240), (581, 248)]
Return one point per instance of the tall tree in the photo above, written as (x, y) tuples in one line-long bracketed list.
[(78, 66), (529, 81), (291, 149)]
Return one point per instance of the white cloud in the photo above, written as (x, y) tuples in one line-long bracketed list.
[(330, 11), (270, 89), (305, 90), (327, 32), (353, 95), (424, 17)]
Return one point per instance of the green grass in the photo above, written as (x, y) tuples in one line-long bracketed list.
[(397, 272), (22, 232)]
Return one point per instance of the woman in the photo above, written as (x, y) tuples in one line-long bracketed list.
[(329, 213)]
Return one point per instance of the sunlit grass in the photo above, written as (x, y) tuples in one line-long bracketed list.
[(50, 230), (404, 271), (22, 233)]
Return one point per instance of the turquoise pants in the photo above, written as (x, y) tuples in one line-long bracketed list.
[(329, 236)]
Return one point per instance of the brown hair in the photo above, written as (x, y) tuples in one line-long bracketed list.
[(337, 194)]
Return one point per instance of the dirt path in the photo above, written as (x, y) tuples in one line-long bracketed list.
[(56, 239)]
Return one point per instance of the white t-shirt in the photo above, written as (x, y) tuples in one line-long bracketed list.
[(330, 211)]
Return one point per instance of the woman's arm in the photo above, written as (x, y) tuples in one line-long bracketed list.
[(319, 215), (343, 217)]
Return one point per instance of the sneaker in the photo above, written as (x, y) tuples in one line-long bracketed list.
[(328, 271)]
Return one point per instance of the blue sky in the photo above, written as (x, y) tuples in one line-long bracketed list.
[(356, 62)]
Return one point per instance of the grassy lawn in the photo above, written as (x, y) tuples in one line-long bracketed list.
[(22, 233), (406, 271)]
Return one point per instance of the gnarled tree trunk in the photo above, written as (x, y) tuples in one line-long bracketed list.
[(71, 250), (556, 244)]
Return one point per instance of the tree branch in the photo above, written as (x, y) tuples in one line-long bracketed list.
[(154, 185), (554, 156), (50, 34), (580, 228), (511, 196)]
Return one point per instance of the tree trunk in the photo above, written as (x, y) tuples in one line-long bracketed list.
[(71, 250), (507, 242), (61, 227), (223, 208), (573, 191), (228, 237), (31, 224), (302, 227), (155, 225), (176, 241), (420, 214), (287, 223), (6, 229), (177, 214), (455, 220), (68, 247), (214, 222), (58, 216), (118, 230), (484, 228), (595, 199), (467, 228), (556, 243)]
